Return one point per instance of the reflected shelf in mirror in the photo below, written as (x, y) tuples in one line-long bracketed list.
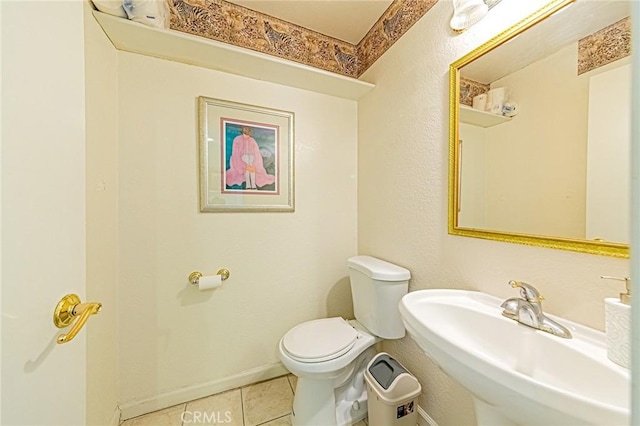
[(503, 186), (480, 118)]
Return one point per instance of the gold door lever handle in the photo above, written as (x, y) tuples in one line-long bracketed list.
[(67, 309)]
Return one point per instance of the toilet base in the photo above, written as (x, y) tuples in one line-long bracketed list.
[(333, 402)]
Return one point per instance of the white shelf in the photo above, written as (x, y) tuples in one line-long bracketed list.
[(480, 118), (194, 50)]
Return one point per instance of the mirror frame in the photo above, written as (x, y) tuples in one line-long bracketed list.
[(582, 246)]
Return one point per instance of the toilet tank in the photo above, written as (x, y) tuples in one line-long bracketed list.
[(377, 287)]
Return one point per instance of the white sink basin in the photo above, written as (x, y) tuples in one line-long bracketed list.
[(518, 375)]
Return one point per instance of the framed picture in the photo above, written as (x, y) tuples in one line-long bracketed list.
[(246, 157)]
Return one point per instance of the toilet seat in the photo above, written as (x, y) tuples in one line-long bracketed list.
[(319, 340)]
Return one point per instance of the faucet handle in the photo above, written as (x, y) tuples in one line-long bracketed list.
[(527, 291)]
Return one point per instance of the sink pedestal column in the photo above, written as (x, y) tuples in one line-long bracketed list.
[(487, 415)]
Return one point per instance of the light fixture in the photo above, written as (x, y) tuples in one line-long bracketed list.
[(491, 3), (468, 12)]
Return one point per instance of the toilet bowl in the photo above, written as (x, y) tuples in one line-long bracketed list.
[(329, 356), (330, 388)]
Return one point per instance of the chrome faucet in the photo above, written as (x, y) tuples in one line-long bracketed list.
[(527, 310)]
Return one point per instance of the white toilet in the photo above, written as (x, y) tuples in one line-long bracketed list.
[(329, 356)]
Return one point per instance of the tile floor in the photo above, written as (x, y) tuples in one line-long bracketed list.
[(266, 404)]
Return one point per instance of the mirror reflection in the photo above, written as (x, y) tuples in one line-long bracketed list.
[(543, 129)]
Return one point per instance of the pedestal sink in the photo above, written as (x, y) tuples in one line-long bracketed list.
[(516, 374)]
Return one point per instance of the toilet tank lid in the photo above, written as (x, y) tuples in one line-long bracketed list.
[(378, 269)]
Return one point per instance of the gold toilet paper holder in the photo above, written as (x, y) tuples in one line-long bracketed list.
[(194, 277)]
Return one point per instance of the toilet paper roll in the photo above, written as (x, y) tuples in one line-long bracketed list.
[(209, 282), (496, 99)]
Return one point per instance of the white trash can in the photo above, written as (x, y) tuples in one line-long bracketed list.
[(391, 393)]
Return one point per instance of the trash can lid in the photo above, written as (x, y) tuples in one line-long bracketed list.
[(390, 381), (385, 370)]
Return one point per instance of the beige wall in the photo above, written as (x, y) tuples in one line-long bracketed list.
[(286, 268), (101, 178), (402, 198), (473, 186), (539, 158), (608, 165)]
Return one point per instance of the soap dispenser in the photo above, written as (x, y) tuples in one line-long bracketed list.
[(618, 325)]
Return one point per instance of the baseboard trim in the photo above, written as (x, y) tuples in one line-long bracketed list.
[(424, 419), (137, 408)]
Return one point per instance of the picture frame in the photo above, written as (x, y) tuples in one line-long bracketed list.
[(246, 157)]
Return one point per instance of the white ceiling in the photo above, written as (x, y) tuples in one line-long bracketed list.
[(347, 20)]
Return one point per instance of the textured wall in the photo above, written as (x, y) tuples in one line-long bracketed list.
[(286, 268), (402, 198)]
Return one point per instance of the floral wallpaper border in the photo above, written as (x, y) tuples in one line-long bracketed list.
[(469, 89), (394, 22), (233, 24), (604, 46)]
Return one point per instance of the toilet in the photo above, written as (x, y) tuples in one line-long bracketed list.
[(329, 356)]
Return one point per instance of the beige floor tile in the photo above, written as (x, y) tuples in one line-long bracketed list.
[(171, 416), (223, 408), (266, 401), (360, 423), (293, 380), (282, 421)]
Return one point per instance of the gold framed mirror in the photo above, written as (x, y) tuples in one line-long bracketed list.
[(539, 139)]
